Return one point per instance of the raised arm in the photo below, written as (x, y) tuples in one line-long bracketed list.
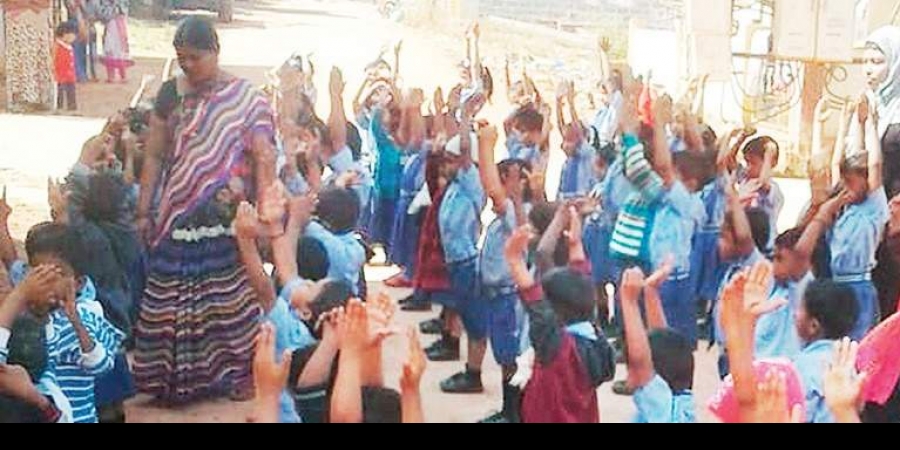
[(662, 156), (269, 376), (734, 210), (410, 380), (346, 397), (603, 47), (656, 317), (842, 384), (550, 239), (840, 144), (820, 223), (729, 146), (357, 99), (337, 120), (7, 245), (246, 225), (640, 358), (487, 169), (874, 151)]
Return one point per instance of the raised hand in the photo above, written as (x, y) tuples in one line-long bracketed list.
[(517, 244), (575, 231), (39, 285), (5, 209), (757, 289), (604, 44), (842, 384), (488, 136), (415, 364), (301, 210), (58, 200), (336, 82), (69, 295), (269, 375), (772, 401), (273, 203), (632, 285), (656, 279), (381, 311), (246, 222)]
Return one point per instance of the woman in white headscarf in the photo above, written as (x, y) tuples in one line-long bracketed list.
[(882, 69)]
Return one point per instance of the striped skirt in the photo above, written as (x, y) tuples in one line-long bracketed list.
[(198, 320)]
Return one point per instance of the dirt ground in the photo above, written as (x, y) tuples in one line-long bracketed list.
[(342, 33)]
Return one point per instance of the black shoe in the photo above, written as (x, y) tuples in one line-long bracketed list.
[(433, 326), (416, 307), (495, 418), (407, 300), (621, 388), (442, 351), (463, 383)]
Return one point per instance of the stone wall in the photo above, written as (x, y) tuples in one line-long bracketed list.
[(606, 14)]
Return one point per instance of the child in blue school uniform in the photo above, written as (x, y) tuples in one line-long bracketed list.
[(507, 186), (610, 194), (826, 315), (577, 175), (854, 223), (82, 345), (661, 365), (294, 311), (459, 222), (676, 215), (524, 134), (776, 332)]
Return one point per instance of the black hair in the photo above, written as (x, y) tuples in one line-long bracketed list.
[(540, 217), (528, 118), (757, 147), (197, 33), (312, 259), (28, 345), (59, 240), (760, 227), (834, 306), (708, 137), (857, 164), (789, 239), (571, 295), (673, 358), (14, 410), (64, 28), (339, 209), (105, 197), (381, 405), (334, 294), (520, 166), (694, 166)]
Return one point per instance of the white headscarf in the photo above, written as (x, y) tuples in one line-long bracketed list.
[(887, 39), (887, 96)]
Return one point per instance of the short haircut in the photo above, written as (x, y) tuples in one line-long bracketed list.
[(65, 28), (334, 294), (834, 306), (28, 346), (58, 240), (673, 358), (857, 164), (312, 259), (339, 209), (381, 405), (693, 166), (105, 197), (760, 227), (528, 118), (571, 294), (757, 147), (789, 239)]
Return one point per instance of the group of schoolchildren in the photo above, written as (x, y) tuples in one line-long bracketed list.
[(654, 215)]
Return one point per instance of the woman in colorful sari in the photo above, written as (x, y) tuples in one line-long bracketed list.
[(116, 54), (29, 70), (210, 147)]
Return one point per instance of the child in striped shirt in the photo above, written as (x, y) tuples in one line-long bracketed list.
[(81, 343)]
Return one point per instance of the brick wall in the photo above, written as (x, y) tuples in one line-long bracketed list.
[(606, 14)]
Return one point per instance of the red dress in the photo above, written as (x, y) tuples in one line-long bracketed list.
[(431, 270), (63, 62)]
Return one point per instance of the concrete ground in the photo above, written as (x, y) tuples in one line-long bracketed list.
[(347, 34)]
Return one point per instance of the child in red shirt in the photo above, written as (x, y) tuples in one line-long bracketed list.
[(64, 65)]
